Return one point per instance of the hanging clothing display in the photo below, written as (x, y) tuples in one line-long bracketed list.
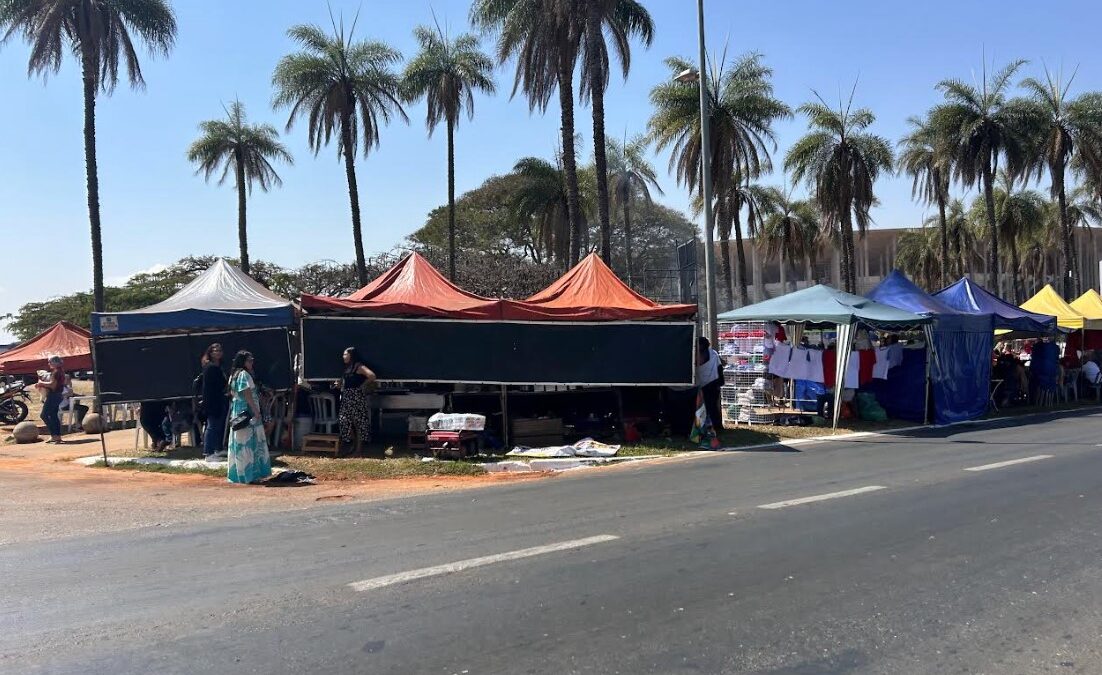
[(779, 362), (881, 367)]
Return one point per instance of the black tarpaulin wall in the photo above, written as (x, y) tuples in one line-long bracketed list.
[(164, 366), (435, 350)]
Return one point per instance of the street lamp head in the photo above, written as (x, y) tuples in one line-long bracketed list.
[(687, 75)]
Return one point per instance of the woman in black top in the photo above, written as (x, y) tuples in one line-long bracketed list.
[(215, 403), (355, 414)]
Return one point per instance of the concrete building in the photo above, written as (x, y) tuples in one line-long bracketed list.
[(876, 253)]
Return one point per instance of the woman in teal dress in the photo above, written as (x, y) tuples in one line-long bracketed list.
[(249, 461)]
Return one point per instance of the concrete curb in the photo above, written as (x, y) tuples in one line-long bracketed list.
[(890, 432), (179, 463)]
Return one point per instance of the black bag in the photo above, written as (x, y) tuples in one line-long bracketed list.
[(239, 422)]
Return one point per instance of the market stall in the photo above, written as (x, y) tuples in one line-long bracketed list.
[(823, 306), (153, 353), (588, 328), (960, 378), (1090, 306), (968, 296), (1082, 331), (64, 339)]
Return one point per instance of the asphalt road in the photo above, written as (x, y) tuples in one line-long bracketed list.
[(917, 564)]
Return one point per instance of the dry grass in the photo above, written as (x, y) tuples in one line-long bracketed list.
[(329, 469)]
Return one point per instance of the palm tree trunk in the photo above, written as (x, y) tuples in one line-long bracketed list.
[(628, 243), (1015, 274), (723, 223), (451, 201), (782, 264), (569, 161), (740, 252), (944, 239), (242, 229), (1071, 275), (992, 229), (91, 168), (593, 37), (349, 151)]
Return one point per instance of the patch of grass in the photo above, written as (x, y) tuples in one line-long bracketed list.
[(161, 468), (665, 447), (370, 469)]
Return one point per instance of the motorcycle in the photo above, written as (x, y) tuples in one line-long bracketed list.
[(13, 402)]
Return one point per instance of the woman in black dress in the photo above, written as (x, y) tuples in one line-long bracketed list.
[(355, 413)]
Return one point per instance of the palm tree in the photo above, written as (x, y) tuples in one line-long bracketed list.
[(841, 162), (621, 20), (632, 176), (447, 73), (248, 150), (964, 243), (790, 232), (1020, 215), (917, 256), (741, 110), (923, 157), (544, 41), (340, 86), (979, 127), (541, 203), (1062, 128), (100, 34)]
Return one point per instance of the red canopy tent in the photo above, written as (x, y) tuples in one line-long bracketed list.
[(63, 339), (419, 327), (591, 291), (413, 287)]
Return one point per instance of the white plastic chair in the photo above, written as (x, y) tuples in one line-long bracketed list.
[(324, 407)]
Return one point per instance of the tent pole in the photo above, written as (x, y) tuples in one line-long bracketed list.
[(98, 405), (926, 400), (843, 348), (505, 415)]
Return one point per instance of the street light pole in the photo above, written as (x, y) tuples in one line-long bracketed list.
[(706, 179)]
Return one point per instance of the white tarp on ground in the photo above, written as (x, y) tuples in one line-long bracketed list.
[(587, 447)]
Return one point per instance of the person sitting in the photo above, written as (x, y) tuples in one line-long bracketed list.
[(1090, 372), (151, 414)]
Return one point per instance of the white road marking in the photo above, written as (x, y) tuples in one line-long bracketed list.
[(1012, 462), (820, 498), (452, 568)]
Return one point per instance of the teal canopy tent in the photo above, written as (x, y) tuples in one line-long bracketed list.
[(820, 306)]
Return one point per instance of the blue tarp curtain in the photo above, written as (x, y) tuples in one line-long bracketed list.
[(960, 376), (903, 394)]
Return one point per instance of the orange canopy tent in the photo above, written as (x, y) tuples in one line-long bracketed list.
[(63, 339), (413, 287), (592, 292)]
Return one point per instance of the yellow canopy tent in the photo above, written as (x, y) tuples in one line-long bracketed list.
[(1048, 301), (1089, 305)]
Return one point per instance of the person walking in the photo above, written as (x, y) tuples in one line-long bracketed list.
[(249, 461), (52, 388), (709, 368), (355, 412), (216, 405)]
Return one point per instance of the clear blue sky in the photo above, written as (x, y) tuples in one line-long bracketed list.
[(155, 210)]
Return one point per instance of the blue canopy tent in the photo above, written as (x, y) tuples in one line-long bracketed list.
[(960, 375), (153, 353), (968, 296)]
